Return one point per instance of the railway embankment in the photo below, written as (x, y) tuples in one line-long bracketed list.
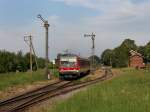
[(43, 106), (127, 90), (12, 84), (21, 102)]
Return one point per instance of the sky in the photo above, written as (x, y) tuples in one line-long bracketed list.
[(112, 21)]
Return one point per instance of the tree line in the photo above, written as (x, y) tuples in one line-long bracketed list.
[(12, 62), (119, 56)]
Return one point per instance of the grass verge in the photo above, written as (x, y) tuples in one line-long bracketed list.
[(21, 78), (129, 92)]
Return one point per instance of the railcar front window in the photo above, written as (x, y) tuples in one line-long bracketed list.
[(67, 64)]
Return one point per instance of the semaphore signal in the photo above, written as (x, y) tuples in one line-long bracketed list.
[(93, 49)]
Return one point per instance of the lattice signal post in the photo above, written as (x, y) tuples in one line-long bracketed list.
[(92, 36)]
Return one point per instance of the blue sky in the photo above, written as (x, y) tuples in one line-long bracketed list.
[(25, 11), (111, 20)]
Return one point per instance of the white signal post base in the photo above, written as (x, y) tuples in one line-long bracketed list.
[(48, 76)]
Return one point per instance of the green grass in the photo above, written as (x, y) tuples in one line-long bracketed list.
[(129, 92), (55, 72), (21, 78)]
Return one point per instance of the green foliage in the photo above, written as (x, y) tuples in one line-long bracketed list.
[(11, 62), (7, 61), (41, 62), (147, 52), (52, 66), (106, 57), (96, 60), (128, 92), (128, 45), (20, 78), (119, 56), (141, 50)]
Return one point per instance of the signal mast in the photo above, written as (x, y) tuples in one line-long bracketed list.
[(92, 36)]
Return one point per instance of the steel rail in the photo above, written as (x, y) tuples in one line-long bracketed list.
[(42, 94), (25, 95), (59, 92)]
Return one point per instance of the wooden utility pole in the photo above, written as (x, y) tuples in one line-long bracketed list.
[(34, 55), (30, 38), (26, 39)]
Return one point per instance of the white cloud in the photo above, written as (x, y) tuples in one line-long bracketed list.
[(113, 9), (12, 39), (85, 3), (117, 20)]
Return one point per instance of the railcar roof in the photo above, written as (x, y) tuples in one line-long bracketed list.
[(73, 55)]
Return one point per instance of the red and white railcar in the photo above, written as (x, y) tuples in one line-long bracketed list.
[(73, 66)]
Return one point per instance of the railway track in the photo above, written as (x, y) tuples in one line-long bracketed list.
[(30, 93), (24, 101)]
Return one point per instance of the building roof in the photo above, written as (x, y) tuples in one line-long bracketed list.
[(132, 52), (135, 53)]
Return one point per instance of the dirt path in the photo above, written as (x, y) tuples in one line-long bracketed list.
[(20, 89)]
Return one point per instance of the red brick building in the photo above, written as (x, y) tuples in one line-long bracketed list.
[(136, 60)]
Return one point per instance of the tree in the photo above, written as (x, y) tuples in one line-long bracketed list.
[(141, 50), (41, 62), (119, 56), (107, 57), (147, 53), (21, 62), (7, 61), (11, 62), (126, 46), (96, 59)]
